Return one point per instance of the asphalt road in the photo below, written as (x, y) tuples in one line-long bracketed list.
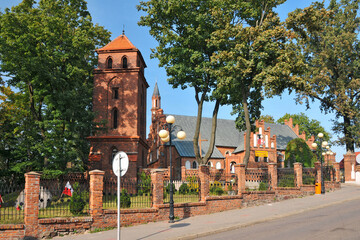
[(338, 222)]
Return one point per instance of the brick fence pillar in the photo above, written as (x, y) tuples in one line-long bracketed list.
[(31, 211), (337, 171), (272, 172), (204, 176), (240, 173), (157, 181), (183, 173), (318, 172), (349, 166), (96, 196), (298, 174)]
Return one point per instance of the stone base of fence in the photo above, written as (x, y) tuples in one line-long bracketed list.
[(13, 231)]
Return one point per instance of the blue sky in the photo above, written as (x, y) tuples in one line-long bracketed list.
[(115, 15)]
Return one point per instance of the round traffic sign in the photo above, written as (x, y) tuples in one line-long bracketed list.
[(120, 159)]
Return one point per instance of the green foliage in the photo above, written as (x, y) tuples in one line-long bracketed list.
[(145, 185), (229, 187), (184, 189), (167, 189), (267, 118), (310, 127), (327, 45), (47, 53), (125, 201), (263, 186), (308, 180), (286, 181), (77, 203), (216, 188), (298, 151), (193, 185)]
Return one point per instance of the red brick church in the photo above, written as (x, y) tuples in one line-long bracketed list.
[(119, 102)]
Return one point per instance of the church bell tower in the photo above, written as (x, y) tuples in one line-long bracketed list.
[(119, 104)]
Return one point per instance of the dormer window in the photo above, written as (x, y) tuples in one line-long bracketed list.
[(109, 62), (124, 62)]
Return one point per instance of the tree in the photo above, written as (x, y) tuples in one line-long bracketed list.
[(328, 42), (298, 151), (267, 118), (47, 53), (253, 60), (310, 127), (183, 29)]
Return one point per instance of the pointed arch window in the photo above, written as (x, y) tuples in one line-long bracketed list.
[(109, 63), (115, 118), (124, 62)]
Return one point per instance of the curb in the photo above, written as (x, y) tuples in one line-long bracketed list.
[(242, 225)]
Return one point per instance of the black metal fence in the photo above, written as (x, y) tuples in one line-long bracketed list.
[(133, 193), (184, 191), (65, 196), (329, 173), (12, 200), (286, 177), (308, 176)]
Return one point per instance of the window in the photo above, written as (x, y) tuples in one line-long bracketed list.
[(124, 62), (227, 153), (266, 159), (257, 159), (115, 118), (232, 167), (109, 62), (187, 164), (218, 165), (115, 93), (194, 165)]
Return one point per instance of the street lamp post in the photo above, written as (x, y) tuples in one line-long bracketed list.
[(165, 136), (322, 145)]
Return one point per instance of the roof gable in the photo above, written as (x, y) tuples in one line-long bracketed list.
[(119, 43)]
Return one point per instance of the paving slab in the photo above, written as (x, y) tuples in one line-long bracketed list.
[(200, 226)]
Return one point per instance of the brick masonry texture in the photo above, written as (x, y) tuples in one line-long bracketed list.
[(101, 218)]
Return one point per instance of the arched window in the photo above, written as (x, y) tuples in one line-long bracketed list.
[(218, 165), (232, 167), (194, 165), (187, 165), (115, 118), (113, 153), (109, 62), (124, 62)]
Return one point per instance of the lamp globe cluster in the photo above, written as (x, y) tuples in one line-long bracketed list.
[(165, 135)]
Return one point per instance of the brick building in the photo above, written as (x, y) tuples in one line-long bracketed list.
[(268, 144), (119, 101)]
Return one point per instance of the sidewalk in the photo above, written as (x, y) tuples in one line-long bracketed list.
[(204, 225)]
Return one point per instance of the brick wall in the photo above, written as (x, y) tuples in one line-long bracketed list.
[(100, 218)]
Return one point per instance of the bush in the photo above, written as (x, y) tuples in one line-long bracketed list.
[(125, 201), (145, 184), (263, 186), (215, 190), (184, 189), (77, 203), (167, 189), (193, 185)]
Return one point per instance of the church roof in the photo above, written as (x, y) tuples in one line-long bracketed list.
[(119, 43), (227, 135), (156, 91)]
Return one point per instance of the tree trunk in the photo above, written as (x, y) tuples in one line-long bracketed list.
[(205, 159), (200, 103), (349, 141), (248, 128)]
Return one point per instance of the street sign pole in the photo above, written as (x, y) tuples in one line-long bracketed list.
[(120, 166)]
